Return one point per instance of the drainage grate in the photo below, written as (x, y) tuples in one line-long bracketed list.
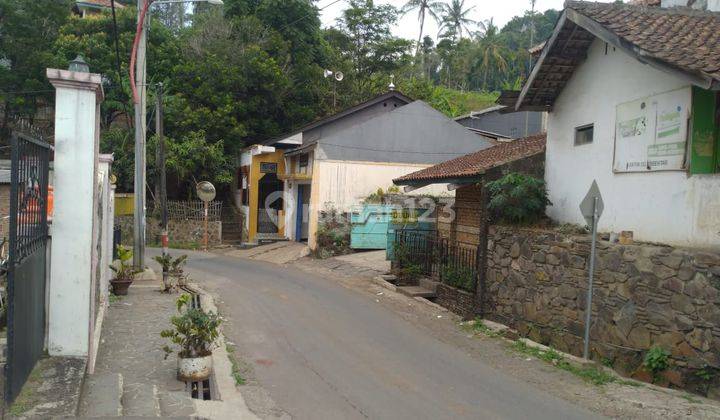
[(195, 298), (202, 390)]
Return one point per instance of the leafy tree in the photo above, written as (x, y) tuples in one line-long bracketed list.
[(491, 53), (174, 16), (94, 39), (120, 141), (364, 39), (455, 18), (28, 30), (228, 84), (191, 159), (431, 7)]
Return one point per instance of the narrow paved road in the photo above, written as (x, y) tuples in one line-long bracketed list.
[(324, 351)]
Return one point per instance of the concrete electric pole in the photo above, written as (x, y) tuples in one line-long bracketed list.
[(140, 101), (140, 130)]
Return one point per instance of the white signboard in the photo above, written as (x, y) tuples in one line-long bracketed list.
[(651, 132)]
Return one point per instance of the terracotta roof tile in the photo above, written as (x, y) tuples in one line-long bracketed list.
[(688, 39), (479, 162), (102, 3)]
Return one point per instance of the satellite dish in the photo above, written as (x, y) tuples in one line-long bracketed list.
[(339, 76), (327, 73)]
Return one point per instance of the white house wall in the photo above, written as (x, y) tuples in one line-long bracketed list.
[(344, 184), (670, 207)]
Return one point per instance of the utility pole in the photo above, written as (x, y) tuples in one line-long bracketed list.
[(530, 59), (159, 128), (140, 129)]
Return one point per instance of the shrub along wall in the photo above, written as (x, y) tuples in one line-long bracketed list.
[(644, 295), (180, 232)]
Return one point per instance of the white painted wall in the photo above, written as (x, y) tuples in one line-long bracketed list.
[(344, 184), (76, 160), (106, 204), (669, 207)]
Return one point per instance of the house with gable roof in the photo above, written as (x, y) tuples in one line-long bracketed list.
[(631, 92), (285, 183)]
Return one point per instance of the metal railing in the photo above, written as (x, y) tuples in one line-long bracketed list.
[(451, 262)]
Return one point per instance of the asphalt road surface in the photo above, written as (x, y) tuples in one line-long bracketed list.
[(324, 351)]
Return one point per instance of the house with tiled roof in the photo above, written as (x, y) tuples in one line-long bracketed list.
[(631, 92), (467, 174), (86, 8)]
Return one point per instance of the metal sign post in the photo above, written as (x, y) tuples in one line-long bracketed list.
[(591, 207), (205, 235), (206, 192)]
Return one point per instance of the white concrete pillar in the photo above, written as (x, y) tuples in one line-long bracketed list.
[(77, 101)]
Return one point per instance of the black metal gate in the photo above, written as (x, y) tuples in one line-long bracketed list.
[(27, 259)]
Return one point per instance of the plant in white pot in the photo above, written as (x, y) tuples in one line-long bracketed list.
[(194, 332)]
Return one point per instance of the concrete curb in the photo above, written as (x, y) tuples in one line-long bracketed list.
[(384, 283), (230, 402)]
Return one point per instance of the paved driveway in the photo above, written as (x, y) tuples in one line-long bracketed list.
[(324, 351)]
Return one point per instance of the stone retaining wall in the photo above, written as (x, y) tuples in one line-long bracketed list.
[(456, 300), (185, 233), (644, 295)]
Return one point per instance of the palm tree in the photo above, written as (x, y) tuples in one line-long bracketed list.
[(431, 7), (455, 17), (491, 52)]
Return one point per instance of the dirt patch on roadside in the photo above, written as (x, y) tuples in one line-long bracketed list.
[(617, 399)]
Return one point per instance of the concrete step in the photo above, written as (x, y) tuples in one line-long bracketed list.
[(390, 278), (140, 400), (416, 291), (429, 284), (103, 396), (176, 404)]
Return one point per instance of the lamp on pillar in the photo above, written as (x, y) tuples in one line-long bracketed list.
[(79, 65)]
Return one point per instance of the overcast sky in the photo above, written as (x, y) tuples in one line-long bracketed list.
[(501, 10)]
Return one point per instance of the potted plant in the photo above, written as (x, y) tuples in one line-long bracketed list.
[(124, 271), (194, 333), (173, 268)]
